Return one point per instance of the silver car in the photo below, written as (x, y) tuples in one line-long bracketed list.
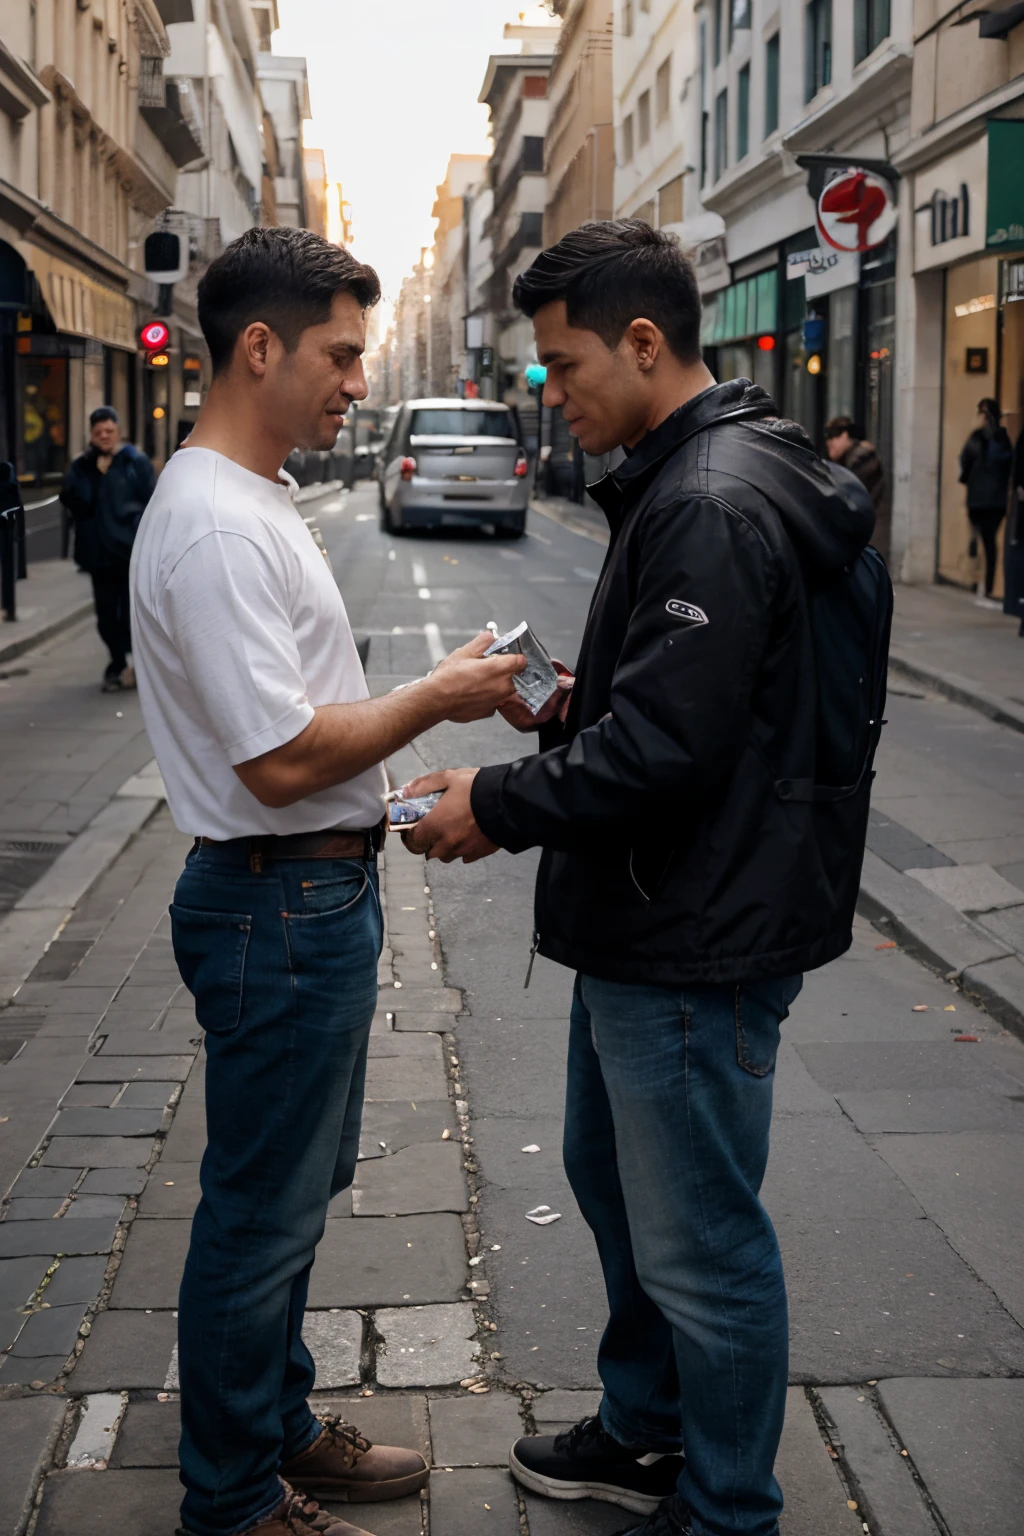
[(455, 463)]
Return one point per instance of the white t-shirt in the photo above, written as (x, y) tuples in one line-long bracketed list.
[(238, 632)]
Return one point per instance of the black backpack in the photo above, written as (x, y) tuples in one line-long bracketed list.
[(851, 619)]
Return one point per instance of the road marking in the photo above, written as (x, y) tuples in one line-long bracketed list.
[(435, 645), (545, 578), (365, 517), (578, 570), (539, 536), (419, 573), (509, 554), (392, 555), (423, 592)]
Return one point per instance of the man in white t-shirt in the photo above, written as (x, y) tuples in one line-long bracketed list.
[(271, 752)]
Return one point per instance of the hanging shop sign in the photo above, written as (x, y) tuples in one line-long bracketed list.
[(856, 211), (824, 270), (154, 336), (1004, 213)]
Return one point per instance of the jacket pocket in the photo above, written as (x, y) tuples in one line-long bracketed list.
[(760, 1009), (210, 949)]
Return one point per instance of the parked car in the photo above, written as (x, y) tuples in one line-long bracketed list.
[(455, 463)]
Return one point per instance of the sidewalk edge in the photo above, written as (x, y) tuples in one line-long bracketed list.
[(27, 642), (936, 933), (962, 690)]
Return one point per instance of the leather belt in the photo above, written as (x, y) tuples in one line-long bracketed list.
[(270, 847)]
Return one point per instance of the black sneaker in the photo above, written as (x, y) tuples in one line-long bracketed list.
[(112, 679), (585, 1462), (671, 1518)]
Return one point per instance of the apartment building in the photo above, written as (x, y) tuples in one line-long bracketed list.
[(790, 94), (579, 145), (453, 366), (515, 89), (961, 316)]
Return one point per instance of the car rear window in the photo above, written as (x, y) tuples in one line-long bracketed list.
[(440, 423)]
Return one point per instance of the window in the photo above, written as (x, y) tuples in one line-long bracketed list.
[(716, 33), (771, 85), (535, 86), (670, 202), (464, 423), (645, 212), (662, 86), (627, 139), (818, 47), (721, 130), (743, 112), (643, 118), (627, 19), (870, 26)]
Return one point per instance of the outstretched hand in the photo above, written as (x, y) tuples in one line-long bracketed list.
[(518, 713), (449, 831)]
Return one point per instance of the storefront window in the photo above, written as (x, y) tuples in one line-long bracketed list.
[(42, 388), (968, 375), (879, 347), (841, 386)]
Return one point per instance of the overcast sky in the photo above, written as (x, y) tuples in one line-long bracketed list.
[(393, 86)]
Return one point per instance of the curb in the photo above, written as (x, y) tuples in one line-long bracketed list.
[(34, 637), (962, 690), (936, 933), (41, 914), (574, 524)]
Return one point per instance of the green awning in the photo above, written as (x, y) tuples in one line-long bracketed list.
[(1004, 219)]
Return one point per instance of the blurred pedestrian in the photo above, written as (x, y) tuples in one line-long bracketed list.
[(985, 464), (1013, 548), (272, 754), (105, 491), (697, 858), (855, 453)]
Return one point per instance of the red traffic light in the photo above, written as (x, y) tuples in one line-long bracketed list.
[(154, 336)]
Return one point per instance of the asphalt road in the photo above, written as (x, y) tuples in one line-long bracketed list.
[(897, 1172)]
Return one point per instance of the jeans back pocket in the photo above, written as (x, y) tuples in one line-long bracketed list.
[(210, 949)]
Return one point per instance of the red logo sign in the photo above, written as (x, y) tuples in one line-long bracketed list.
[(856, 211), (154, 336)]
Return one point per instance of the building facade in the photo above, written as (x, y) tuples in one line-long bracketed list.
[(579, 145)]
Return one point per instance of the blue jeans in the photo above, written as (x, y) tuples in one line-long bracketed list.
[(283, 969), (669, 1102)]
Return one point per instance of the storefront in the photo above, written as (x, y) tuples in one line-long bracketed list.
[(969, 222), (67, 344)]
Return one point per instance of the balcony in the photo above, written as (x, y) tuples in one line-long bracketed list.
[(171, 109)]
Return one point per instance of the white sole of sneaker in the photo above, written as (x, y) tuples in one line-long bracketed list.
[(605, 1493)]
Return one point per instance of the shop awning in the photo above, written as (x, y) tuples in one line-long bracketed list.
[(79, 304)]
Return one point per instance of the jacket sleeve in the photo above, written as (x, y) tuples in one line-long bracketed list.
[(968, 458), (71, 495), (681, 693)]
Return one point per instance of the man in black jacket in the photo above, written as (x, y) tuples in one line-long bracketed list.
[(106, 490), (685, 876)]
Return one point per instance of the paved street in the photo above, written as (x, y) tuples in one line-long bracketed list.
[(895, 1182)]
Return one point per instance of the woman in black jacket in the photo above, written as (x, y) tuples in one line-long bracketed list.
[(985, 464)]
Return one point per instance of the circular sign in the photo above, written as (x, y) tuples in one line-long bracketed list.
[(154, 336), (856, 211)]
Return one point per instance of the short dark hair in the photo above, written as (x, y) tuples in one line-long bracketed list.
[(613, 272), (103, 413), (990, 407), (285, 277), (838, 425)]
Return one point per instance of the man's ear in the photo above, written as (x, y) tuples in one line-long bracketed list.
[(645, 339), (255, 344)]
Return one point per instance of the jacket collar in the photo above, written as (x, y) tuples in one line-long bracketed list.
[(622, 486)]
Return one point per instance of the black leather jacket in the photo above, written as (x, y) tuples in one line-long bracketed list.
[(668, 856), (106, 509)]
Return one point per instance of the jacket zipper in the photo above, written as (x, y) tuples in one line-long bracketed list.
[(533, 955)]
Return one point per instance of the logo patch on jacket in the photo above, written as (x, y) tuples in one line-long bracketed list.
[(688, 612)]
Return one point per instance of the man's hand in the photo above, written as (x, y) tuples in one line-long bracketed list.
[(449, 831), (470, 687), (519, 714)]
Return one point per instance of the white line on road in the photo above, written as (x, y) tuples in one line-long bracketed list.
[(578, 570), (539, 536), (392, 555), (545, 578), (419, 573), (509, 554), (423, 592), (435, 645)]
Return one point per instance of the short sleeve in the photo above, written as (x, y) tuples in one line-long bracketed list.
[(226, 611)]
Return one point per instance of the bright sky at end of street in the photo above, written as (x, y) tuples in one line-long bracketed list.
[(393, 87)]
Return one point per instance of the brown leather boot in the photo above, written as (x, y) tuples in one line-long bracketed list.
[(298, 1515), (342, 1464)]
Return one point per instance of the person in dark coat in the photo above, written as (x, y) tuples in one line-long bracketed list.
[(1013, 550), (985, 463), (105, 491), (843, 446)]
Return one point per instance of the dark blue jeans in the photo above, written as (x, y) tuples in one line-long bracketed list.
[(669, 1103), (283, 968)]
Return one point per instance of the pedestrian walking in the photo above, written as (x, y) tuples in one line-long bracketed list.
[(105, 491), (271, 752), (702, 835), (986, 460), (856, 454)]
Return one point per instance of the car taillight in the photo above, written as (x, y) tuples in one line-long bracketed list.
[(522, 466), (408, 468)]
